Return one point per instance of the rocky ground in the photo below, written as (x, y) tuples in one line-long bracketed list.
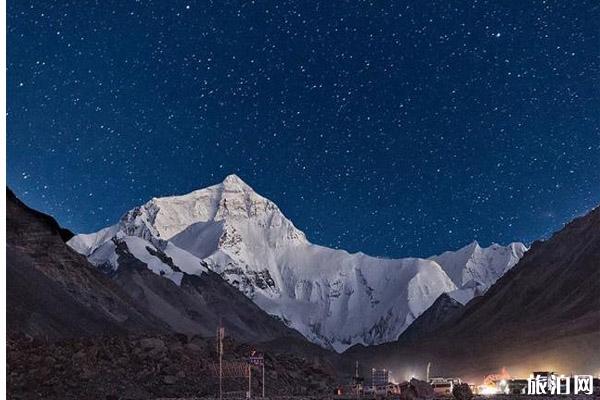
[(494, 397), (174, 366), (526, 397)]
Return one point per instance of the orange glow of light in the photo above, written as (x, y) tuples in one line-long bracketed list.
[(491, 379)]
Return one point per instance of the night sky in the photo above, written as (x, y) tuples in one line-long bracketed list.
[(394, 128)]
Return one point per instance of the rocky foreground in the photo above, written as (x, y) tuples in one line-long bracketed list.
[(174, 366)]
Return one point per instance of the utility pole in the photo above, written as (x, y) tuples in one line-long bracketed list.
[(220, 336), (356, 380), (249, 380)]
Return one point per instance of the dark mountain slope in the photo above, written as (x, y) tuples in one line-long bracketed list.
[(199, 304), (557, 283), (44, 219), (543, 314), (53, 292), (443, 309)]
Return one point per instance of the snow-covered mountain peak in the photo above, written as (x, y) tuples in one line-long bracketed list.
[(233, 182), (473, 246), (233, 204), (225, 210), (473, 268), (332, 297)]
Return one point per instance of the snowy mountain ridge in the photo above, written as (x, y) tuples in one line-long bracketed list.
[(474, 269), (333, 298)]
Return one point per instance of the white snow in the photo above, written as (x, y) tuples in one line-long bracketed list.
[(476, 268), (143, 250), (139, 248), (334, 298), (104, 254), (86, 243), (463, 296)]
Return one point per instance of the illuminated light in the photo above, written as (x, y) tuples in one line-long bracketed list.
[(487, 390)]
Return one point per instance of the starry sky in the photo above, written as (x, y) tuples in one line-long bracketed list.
[(396, 128)]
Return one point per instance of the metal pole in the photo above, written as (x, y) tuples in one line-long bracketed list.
[(356, 379), (249, 380), (263, 377), (221, 333)]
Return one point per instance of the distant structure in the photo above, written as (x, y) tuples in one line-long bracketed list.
[(444, 386), (379, 377), (357, 382), (379, 387), (355, 389)]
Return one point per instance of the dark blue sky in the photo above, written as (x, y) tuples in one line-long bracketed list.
[(399, 129)]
